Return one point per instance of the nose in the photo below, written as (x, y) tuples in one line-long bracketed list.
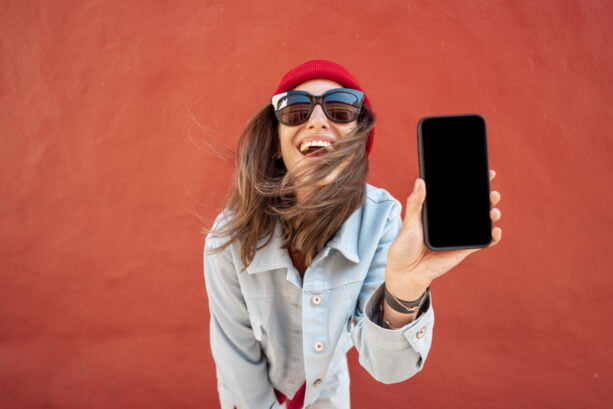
[(318, 119)]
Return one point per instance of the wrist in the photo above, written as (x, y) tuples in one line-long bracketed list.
[(395, 314), (404, 306), (405, 288), (391, 319)]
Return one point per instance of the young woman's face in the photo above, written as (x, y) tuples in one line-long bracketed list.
[(318, 130)]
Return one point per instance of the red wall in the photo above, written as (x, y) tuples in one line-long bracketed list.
[(106, 111)]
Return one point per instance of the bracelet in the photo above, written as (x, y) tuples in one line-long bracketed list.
[(402, 306), (382, 321), (387, 325)]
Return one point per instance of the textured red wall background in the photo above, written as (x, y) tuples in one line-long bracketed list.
[(106, 111)]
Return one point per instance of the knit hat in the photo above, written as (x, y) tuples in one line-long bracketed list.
[(327, 70)]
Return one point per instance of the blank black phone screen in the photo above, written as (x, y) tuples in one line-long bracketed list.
[(454, 165)]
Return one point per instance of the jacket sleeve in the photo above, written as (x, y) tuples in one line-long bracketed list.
[(242, 376), (390, 356)]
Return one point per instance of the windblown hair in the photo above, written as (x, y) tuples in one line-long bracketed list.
[(264, 191)]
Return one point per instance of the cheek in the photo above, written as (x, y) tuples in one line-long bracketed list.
[(284, 138), (284, 134), (344, 129)]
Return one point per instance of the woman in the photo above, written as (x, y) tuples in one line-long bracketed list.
[(307, 260)]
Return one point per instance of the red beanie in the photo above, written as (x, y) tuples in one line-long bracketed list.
[(326, 70)]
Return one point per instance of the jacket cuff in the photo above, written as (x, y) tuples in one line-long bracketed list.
[(417, 334)]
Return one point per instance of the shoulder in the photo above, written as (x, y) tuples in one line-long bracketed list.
[(377, 194), (380, 200), (219, 255), (216, 237)]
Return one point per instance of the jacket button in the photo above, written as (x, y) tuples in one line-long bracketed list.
[(421, 332), (319, 346), (317, 383), (316, 299)]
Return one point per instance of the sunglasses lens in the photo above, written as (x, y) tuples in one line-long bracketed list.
[(293, 109), (342, 106)]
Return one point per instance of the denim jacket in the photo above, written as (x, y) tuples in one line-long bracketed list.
[(271, 329)]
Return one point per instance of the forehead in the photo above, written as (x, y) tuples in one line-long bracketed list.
[(318, 87)]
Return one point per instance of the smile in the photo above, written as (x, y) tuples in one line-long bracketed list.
[(314, 145)]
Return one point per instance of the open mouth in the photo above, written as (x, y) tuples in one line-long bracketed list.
[(314, 147)]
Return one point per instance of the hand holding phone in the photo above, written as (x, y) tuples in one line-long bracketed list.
[(454, 184), (411, 265)]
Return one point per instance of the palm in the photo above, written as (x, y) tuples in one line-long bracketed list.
[(410, 261)]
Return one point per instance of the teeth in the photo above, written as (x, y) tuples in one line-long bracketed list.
[(304, 146)]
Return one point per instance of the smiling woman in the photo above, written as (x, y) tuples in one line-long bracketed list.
[(310, 202), (307, 260)]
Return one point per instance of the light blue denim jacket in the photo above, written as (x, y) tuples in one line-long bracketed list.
[(270, 329)]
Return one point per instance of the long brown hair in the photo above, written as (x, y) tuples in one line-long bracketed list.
[(264, 191)]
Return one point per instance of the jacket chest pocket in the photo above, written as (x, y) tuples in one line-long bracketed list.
[(258, 300), (259, 315)]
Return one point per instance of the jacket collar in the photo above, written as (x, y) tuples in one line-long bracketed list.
[(273, 256), (346, 238)]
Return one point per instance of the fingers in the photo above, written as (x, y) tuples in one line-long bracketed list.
[(494, 197), (495, 214), (415, 201), (496, 236)]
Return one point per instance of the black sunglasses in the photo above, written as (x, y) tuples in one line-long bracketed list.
[(340, 105)]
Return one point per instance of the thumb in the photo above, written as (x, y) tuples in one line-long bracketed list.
[(415, 201)]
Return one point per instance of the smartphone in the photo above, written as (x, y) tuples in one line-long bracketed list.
[(453, 162)]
